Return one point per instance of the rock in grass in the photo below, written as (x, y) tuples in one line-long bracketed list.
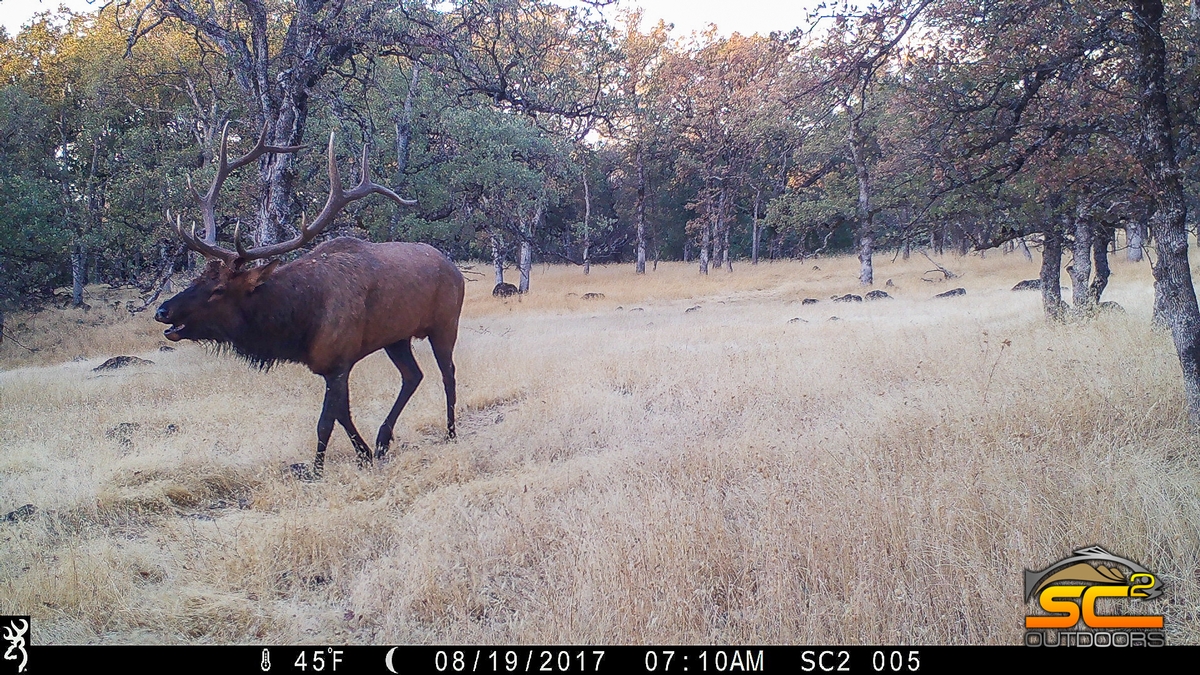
[(1029, 285), (878, 295), (23, 513), (810, 301), (120, 362), (952, 293), (849, 297)]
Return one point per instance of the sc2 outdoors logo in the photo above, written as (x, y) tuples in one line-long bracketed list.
[(1069, 589)]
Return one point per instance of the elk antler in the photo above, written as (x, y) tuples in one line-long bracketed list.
[(208, 244), (338, 199)]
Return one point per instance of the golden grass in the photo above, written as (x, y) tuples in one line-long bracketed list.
[(626, 471)]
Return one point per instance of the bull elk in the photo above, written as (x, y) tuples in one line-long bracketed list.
[(327, 309)]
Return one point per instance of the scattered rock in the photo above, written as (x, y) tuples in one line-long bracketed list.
[(849, 297), (1029, 285), (889, 284), (591, 296), (120, 362), (166, 348), (23, 513), (834, 318), (572, 295), (123, 433), (878, 295), (796, 320), (1110, 306), (951, 293), (79, 359), (620, 307), (637, 309), (503, 290), (692, 309), (810, 301), (816, 269), (301, 472), (172, 429)]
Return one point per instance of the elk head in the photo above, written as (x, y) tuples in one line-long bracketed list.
[(211, 308)]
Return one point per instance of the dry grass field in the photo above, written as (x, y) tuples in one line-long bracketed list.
[(626, 470)]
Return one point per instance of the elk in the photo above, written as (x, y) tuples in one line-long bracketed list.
[(328, 309)]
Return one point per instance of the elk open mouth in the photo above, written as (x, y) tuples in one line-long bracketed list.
[(173, 333)]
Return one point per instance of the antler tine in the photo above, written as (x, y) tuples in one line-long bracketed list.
[(366, 165), (335, 177), (199, 245), (366, 186), (223, 152), (237, 239)]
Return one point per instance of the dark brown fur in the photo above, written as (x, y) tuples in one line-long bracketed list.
[(329, 309)]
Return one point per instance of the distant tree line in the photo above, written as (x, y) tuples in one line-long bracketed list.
[(529, 131)]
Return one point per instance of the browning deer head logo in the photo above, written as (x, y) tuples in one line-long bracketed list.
[(16, 636)]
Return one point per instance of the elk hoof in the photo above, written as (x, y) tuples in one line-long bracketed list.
[(381, 451), (302, 472)]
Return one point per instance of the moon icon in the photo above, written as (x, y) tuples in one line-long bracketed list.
[(387, 660)]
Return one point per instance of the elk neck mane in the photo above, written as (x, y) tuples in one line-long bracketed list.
[(279, 319)]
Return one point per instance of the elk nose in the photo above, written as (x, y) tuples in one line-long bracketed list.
[(161, 315)]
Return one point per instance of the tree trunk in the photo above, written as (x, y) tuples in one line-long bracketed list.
[(526, 266), (641, 212), (865, 233), (706, 236), (1051, 273), (1081, 264), (497, 259), (1100, 253), (726, 226), (757, 231), (403, 122), (526, 263), (1168, 224), (587, 223), (78, 271), (1135, 235)]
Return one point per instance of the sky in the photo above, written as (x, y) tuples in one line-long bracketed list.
[(742, 16)]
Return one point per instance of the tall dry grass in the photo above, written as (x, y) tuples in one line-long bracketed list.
[(627, 471)]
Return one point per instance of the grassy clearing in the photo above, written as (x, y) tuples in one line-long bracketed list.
[(627, 471)]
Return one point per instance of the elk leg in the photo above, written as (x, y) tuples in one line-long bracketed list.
[(325, 425), (410, 374), (341, 386), (443, 351)]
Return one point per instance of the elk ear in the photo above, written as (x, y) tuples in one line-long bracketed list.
[(256, 276)]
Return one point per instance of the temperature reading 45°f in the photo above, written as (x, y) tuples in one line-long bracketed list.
[(319, 660)]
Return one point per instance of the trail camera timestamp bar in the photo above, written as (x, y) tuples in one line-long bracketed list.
[(650, 660)]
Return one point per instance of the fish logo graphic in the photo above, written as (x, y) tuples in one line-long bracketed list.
[(1076, 567), (17, 637)]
